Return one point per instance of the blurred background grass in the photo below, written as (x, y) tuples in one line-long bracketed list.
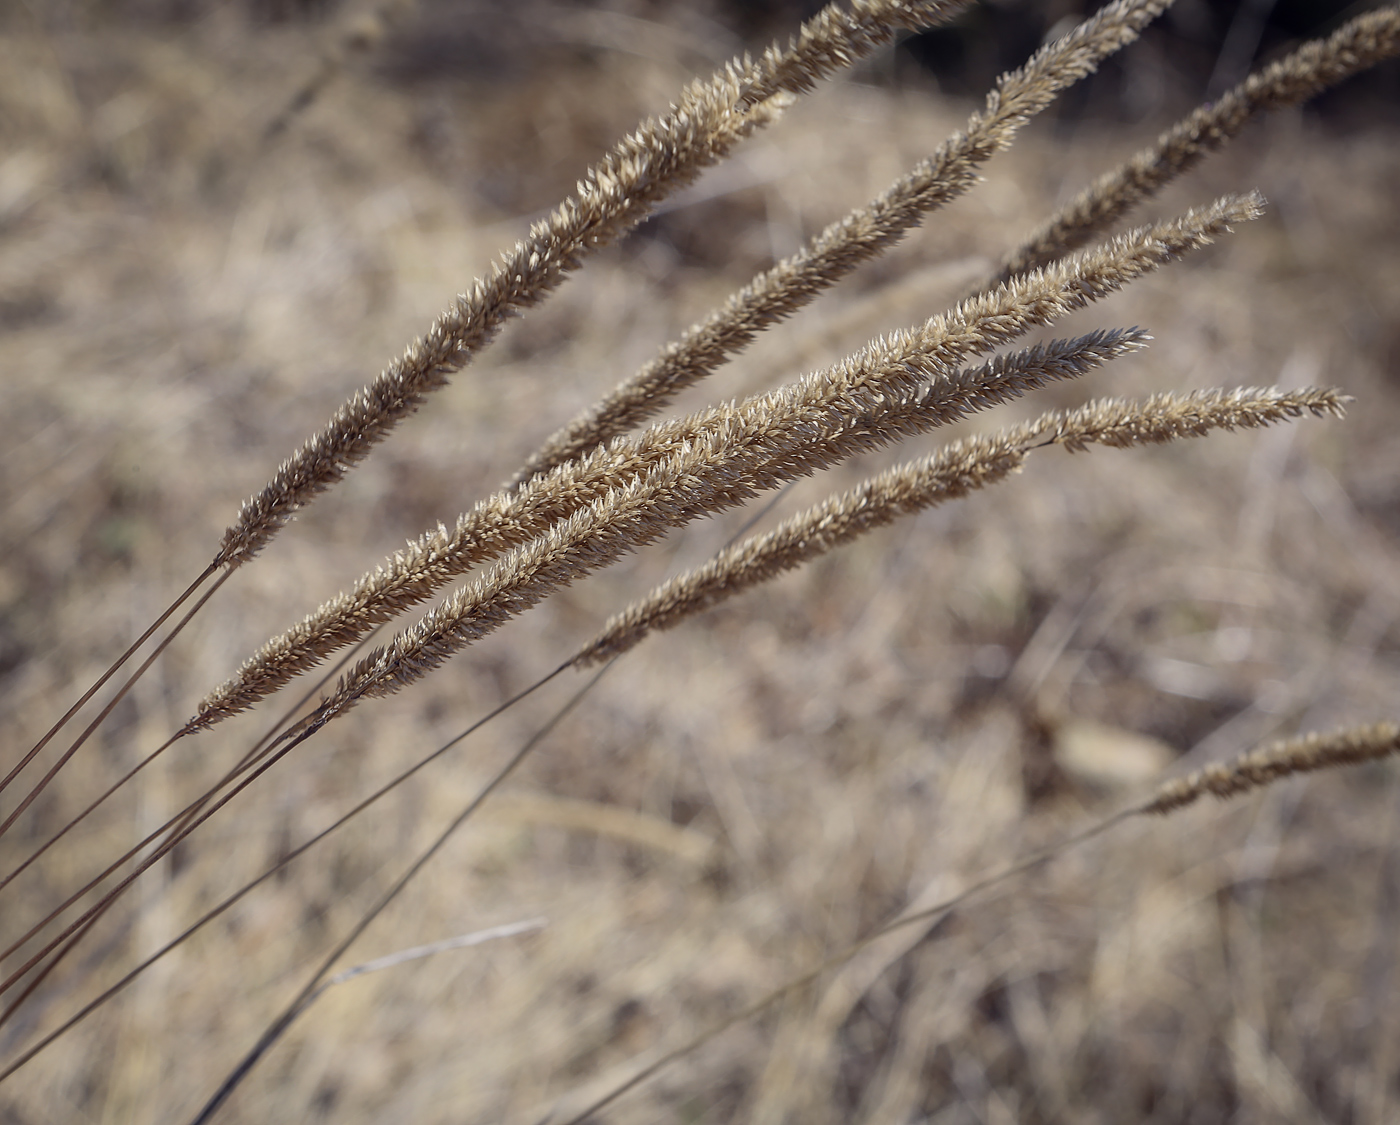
[(184, 296)]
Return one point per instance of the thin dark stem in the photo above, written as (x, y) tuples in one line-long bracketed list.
[(270, 872), (174, 824), (289, 857), (83, 924), (77, 929), (62, 832), (102, 715), (107, 675), (926, 915), (308, 992), (178, 821)]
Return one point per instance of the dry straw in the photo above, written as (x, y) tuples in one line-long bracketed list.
[(593, 494), (1312, 68), (1312, 752), (953, 472), (833, 37), (659, 158), (1109, 422)]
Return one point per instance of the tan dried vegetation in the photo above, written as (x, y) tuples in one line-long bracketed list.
[(779, 864)]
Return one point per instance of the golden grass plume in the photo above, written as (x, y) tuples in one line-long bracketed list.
[(1357, 45), (659, 158), (596, 492), (632, 492), (856, 238), (952, 473)]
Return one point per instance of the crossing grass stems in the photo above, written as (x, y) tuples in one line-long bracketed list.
[(614, 480)]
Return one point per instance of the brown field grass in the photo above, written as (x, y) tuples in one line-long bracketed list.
[(184, 298)]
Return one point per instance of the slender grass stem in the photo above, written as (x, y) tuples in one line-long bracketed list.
[(107, 675)]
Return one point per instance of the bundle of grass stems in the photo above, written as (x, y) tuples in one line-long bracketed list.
[(627, 472)]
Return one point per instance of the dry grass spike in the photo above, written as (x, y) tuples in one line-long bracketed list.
[(658, 159), (725, 455), (412, 575), (949, 474), (1312, 752), (1118, 606), (858, 237), (894, 366), (1314, 67)]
